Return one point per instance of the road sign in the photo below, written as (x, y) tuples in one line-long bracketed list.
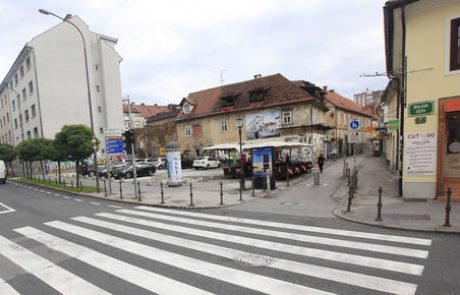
[(393, 125), (115, 147), (421, 108), (354, 125)]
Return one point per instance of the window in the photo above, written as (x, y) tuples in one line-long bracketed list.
[(96, 67), (24, 94), (228, 100), (224, 126), (15, 123), (21, 71), (31, 88), (455, 45), (196, 130), (188, 130), (33, 111), (20, 119), (26, 115), (16, 79), (7, 117), (98, 88), (99, 109), (14, 104), (287, 118), (35, 132), (29, 135), (258, 94), (101, 130), (186, 108), (28, 66)]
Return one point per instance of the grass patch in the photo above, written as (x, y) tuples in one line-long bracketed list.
[(53, 184)]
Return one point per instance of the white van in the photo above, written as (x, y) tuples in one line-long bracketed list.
[(2, 172)]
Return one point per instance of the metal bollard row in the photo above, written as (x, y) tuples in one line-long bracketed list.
[(448, 207)]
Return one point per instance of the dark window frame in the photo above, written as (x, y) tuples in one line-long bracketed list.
[(258, 94), (454, 44), (228, 101)]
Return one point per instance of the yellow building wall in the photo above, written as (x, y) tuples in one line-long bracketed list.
[(427, 47)]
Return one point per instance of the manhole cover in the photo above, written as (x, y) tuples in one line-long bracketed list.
[(252, 260), (289, 203)]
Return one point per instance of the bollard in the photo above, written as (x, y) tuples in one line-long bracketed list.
[(315, 172), (269, 185), (121, 190), (162, 194), (379, 205), (139, 191), (241, 193), (105, 188), (253, 186), (350, 196), (221, 194), (287, 176), (449, 194), (191, 195)]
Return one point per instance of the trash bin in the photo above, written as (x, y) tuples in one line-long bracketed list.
[(315, 172)]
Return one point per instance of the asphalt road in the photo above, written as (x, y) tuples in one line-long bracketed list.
[(53, 243)]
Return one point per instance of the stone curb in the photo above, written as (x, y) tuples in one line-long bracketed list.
[(437, 229), (134, 201)]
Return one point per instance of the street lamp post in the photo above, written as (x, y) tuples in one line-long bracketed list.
[(239, 122), (66, 19)]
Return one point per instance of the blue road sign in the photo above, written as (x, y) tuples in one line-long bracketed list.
[(355, 125), (114, 147)]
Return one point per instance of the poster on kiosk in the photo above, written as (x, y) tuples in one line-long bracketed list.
[(262, 160)]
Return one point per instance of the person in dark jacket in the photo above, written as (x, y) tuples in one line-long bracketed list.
[(321, 162)]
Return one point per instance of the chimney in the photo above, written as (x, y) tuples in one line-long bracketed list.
[(332, 90), (156, 105), (325, 88), (257, 76), (142, 104)]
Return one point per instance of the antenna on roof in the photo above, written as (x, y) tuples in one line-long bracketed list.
[(222, 77)]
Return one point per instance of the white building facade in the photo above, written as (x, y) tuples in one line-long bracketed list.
[(46, 87)]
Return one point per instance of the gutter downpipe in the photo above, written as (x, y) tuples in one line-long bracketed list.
[(403, 96)]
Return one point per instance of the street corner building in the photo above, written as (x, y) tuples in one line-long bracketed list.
[(423, 63), (47, 88)]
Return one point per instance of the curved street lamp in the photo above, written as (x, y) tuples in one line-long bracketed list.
[(66, 19)]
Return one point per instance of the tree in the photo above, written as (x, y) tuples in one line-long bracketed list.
[(8, 154), (58, 154), (27, 152), (43, 147), (75, 141)]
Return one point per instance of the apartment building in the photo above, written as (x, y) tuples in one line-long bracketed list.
[(46, 86)]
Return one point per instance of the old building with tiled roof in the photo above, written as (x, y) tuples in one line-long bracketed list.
[(140, 113), (271, 106)]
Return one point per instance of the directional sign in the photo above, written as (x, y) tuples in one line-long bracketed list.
[(115, 147), (354, 125)]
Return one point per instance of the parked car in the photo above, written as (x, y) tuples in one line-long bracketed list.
[(89, 170), (159, 163), (2, 172), (206, 163), (142, 169)]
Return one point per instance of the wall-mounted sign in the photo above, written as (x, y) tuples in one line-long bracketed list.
[(421, 108), (263, 124), (420, 120), (393, 125), (452, 105), (354, 125), (421, 153)]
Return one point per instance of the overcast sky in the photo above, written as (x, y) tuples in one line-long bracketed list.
[(174, 47)]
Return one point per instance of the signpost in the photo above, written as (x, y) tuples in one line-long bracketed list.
[(113, 146), (354, 128), (421, 108)]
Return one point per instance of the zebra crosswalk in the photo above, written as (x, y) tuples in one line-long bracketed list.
[(181, 252)]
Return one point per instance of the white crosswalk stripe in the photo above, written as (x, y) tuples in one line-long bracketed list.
[(394, 262)]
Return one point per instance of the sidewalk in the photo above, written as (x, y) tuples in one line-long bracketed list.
[(397, 212)]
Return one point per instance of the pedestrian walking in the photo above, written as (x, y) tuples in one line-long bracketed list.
[(321, 162)]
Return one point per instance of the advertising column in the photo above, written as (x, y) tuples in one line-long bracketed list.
[(173, 163)]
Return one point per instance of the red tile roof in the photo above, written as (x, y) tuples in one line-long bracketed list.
[(145, 110), (347, 104), (279, 91)]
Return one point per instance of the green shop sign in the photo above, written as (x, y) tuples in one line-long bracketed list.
[(421, 108), (393, 125)]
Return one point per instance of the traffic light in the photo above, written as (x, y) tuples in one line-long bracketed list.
[(129, 139)]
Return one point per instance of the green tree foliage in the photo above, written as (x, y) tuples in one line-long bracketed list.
[(32, 150), (8, 154), (58, 154), (75, 141)]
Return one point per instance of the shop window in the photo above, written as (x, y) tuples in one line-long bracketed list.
[(453, 144), (455, 45)]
